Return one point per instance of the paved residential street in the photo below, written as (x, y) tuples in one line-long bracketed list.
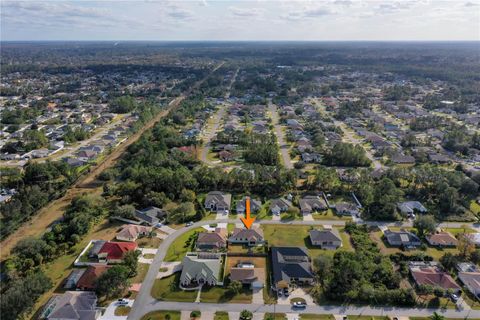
[(145, 303), (280, 136)]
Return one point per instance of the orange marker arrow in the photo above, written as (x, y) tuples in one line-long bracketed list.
[(247, 221)]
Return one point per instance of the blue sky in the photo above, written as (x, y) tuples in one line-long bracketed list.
[(241, 20)]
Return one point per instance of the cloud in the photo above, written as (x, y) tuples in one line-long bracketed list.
[(346, 3), (308, 13), (180, 13), (394, 7), (471, 4), (246, 12)]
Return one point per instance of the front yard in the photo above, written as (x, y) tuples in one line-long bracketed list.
[(180, 246), (162, 315), (222, 295), (167, 289)]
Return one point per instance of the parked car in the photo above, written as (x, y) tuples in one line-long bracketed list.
[(454, 297), (122, 302), (188, 224), (299, 305)]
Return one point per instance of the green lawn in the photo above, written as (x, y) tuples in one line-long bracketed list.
[(221, 315), (122, 311), (284, 235), (167, 289), (309, 316), (474, 207), (142, 270), (278, 316), (178, 248), (221, 295), (160, 315), (329, 215)]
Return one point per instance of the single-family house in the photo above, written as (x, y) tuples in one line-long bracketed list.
[(442, 239), (248, 274), (469, 275), (279, 205), (291, 265), (411, 207), (326, 239), (151, 215), (114, 252), (131, 232), (309, 204), (212, 240), (255, 205), (218, 201), (201, 268), (403, 159), (402, 238), (429, 273), (72, 305), (346, 209), (250, 237), (90, 276)]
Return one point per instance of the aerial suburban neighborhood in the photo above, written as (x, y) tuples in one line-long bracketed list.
[(269, 180)]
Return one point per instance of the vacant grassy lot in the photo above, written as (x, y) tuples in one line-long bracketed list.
[(221, 295), (284, 235), (160, 315), (146, 242), (179, 248), (167, 289), (329, 215)]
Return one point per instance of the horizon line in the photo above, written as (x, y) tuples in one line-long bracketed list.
[(179, 40)]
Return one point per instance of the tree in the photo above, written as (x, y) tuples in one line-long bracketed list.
[(323, 268), (235, 287), (126, 211), (465, 246), (183, 212), (130, 260), (425, 225), (246, 315), (113, 282), (21, 295), (449, 261)]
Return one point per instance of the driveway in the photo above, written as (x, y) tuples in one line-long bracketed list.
[(145, 251), (167, 229), (257, 296), (170, 268), (308, 217), (297, 293), (109, 313)]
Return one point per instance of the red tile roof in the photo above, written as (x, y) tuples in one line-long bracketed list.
[(434, 277), (88, 278), (116, 250)]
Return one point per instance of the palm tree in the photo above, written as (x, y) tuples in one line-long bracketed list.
[(235, 287), (437, 316)]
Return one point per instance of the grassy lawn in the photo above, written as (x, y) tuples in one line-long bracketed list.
[(142, 270), (309, 316), (280, 235), (221, 295), (263, 213), (178, 248), (329, 215), (367, 318), (122, 311), (221, 315), (167, 289), (474, 207), (278, 316), (146, 242), (160, 315), (149, 256), (238, 248)]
